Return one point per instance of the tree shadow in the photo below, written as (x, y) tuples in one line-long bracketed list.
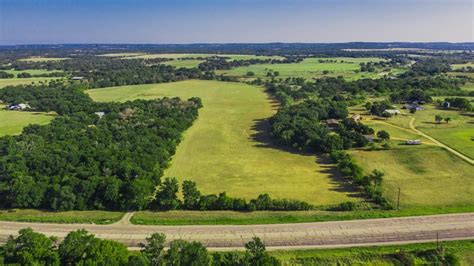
[(263, 140), (339, 183)]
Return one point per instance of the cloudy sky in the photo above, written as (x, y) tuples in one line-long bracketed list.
[(224, 21)]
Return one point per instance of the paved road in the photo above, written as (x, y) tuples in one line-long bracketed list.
[(453, 151), (287, 236)]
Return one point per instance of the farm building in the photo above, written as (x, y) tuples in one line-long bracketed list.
[(77, 78), (20, 106), (369, 138), (413, 106), (100, 114), (392, 111), (413, 142), (332, 123), (446, 104), (356, 118)]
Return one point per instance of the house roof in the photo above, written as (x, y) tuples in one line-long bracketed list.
[(332, 121)]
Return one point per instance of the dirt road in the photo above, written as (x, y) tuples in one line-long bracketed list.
[(287, 236), (453, 151)]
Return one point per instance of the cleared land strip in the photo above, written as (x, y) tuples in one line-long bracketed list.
[(277, 236), (453, 151)]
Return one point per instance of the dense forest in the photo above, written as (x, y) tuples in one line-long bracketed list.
[(92, 156)]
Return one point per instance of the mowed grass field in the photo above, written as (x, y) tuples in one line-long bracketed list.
[(32, 71), (43, 59), (428, 176), (187, 63), (187, 55), (22, 81), (308, 68), (459, 66), (13, 122), (28, 215), (221, 151)]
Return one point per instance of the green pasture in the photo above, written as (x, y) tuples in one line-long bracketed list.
[(13, 122), (32, 71), (459, 66), (227, 150), (377, 255), (22, 81), (187, 63), (28, 215), (43, 59), (309, 68), (427, 175), (188, 55)]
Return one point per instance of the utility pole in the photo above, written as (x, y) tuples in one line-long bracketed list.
[(398, 201)]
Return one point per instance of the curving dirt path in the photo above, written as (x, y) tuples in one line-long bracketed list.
[(451, 150), (279, 236)]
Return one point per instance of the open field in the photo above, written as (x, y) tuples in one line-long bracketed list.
[(468, 86), (459, 66), (32, 71), (381, 255), (22, 81), (26, 215), (188, 63), (121, 54), (427, 175), (179, 56), (13, 122), (225, 150), (309, 68), (43, 59)]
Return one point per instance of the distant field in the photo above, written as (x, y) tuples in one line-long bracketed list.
[(22, 81), (43, 59), (176, 56), (308, 68), (223, 151), (188, 63), (121, 54), (32, 71), (13, 122), (27, 215), (459, 66), (468, 86), (426, 175)]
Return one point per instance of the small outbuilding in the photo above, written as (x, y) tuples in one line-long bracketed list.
[(392, 111), (446, 104), (332, 123), (413, 106), (20, 106), (77, 78), (369, 138), (100, 114), (356, 118), (413, 142)]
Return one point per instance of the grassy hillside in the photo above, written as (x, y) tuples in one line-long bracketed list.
[(427, 175), (225, 150)]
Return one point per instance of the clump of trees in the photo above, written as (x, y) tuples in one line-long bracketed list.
[(84, 161), (302, 126), (167, 199), (82, 248), (369, 184), (460, 103)]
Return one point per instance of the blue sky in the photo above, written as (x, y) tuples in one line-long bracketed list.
[(221, 21)]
